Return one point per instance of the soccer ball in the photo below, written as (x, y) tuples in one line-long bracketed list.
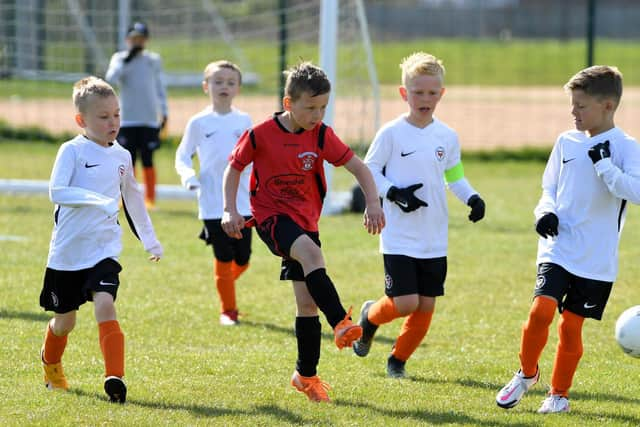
[(628, 331)]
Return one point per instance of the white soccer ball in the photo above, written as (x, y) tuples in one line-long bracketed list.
[(628, 331)]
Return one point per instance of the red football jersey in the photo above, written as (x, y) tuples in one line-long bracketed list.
[(288, 173)]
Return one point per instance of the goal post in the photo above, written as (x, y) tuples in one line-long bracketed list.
[(328, 48), (68, 39)]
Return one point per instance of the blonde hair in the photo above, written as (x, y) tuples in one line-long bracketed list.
[(306, 77), (421, 64), (88, 87), (599, 81), (212, 67)]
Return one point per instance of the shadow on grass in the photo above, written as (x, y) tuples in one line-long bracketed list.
[(542, 391), (430, 417), (24, 315), (289, 331), (602, 417), (449, 417), (205, 411)]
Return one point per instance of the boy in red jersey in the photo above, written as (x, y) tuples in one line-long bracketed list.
[(287, 191)]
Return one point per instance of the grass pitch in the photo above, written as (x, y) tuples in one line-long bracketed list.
[(184, 369)]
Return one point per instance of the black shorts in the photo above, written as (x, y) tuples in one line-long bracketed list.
[(584, 297), (225, 248), (142, 139), (405, 275), (65, 291), (278, 233)]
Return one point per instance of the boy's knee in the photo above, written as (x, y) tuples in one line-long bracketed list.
[(406, 304), (62, 325), (307, 309), (307, 253), (103, 304)]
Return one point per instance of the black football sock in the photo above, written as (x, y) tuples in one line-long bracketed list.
[(325, 296), (308, 337)]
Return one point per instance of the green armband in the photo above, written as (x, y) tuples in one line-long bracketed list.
[(454, 174)]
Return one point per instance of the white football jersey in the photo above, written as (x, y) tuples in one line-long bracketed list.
[(213, 136), (590, 202), (86, 184), (401, 155)]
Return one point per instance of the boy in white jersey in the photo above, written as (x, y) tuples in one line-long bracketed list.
[(409, 157), (212, 134), (591, 173), (90, 176), (138, 72)]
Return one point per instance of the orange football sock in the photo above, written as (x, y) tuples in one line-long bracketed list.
[(535, 332), (112, 346), (383, 311), (413, 330), (238, 269), (225, 284), (150, 184), (568, 353), (53, 346)]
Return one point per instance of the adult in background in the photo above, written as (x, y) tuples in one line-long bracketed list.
[(143, 99)]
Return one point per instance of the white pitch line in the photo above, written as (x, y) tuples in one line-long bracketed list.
[(337, 202), (7, 238)]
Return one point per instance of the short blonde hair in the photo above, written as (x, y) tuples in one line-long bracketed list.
[(599, 81), (421, 64), (84, 89), (212, 67)]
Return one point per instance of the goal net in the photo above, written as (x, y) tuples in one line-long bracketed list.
[(45, 45)]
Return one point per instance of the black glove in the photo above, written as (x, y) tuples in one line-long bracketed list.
[(405, 198), (547, 225), (477, 208), (599, 151), (132, 53)]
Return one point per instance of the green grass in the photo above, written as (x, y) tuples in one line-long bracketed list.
[(494, 62), (184, 369)]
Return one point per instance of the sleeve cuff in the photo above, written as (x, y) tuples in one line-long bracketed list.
[(603, 166)]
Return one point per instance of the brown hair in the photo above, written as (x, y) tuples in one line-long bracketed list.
[(599, 81), (306, 77)]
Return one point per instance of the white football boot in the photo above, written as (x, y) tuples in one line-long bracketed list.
[(510, 395), (554, 403)]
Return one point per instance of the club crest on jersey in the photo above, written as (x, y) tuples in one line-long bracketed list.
[(440, 153), (121, 170), (308, 160)]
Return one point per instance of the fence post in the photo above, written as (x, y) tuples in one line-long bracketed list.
[(591, 30)]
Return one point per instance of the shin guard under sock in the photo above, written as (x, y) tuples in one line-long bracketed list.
[(413, 331), (225, 285), (150, 184), (535, 333), (112, 346), (325, 296), (53, 346), (308, 336), (568, 353)]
